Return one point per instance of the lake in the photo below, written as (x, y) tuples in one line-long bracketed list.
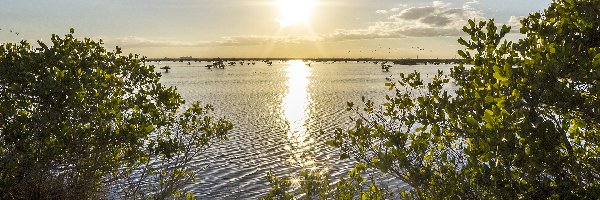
[(277, 112)]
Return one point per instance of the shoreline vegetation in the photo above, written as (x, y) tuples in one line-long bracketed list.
[(522, 123)]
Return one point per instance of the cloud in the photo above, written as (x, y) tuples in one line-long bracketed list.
[(472, 2), (260, 40), (381, 11), (414, 13), (344, 35), (439, 14), (515, 23), (224, 41), (391, 10), (440, 4), (435, 20), (134, 41)]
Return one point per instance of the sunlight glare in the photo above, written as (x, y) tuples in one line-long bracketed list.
[(297, 99), (295, 110), (292, 12)]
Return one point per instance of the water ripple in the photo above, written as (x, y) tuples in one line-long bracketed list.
[(277, 112)]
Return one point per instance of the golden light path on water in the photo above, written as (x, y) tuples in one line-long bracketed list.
[(295, 106)]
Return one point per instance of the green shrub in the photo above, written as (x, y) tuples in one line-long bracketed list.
[(76, 122)]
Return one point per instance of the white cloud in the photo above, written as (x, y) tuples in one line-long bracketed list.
[(515, 23), (395, 9), (440, 4), (472, 3), (381, 11)]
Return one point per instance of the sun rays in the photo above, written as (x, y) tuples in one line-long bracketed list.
[(293, 12)]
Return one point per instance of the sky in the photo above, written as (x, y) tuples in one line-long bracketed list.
[(262, 28)]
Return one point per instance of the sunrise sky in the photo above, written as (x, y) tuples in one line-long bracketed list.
[(262, 28)]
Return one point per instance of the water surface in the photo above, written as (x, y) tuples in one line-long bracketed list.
[(277, 112)]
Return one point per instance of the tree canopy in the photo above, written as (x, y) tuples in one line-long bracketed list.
[(77, 122), (515, 120)]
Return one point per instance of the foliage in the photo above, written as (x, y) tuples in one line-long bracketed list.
[(316, 184), (79, 122), (522, 123)]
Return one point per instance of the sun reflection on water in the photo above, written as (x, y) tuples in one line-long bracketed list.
[(295, 110)]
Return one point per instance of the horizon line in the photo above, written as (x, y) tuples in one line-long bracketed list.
[(291, 58)]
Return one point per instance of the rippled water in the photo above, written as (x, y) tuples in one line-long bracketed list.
[(277, 112)]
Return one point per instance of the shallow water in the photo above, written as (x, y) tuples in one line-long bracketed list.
[(277, 112)]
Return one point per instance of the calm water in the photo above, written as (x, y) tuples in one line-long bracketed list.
[(277, 112)]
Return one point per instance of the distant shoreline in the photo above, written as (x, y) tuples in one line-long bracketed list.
[(408, 61)]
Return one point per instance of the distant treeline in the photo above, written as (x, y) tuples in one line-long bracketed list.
[(395, 61)]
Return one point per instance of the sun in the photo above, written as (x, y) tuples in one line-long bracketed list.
[(293, 12)]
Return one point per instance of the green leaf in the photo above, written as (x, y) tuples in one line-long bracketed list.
[(497, 74), (472, 120), (486, 157), (462, 54), (596, 60), (349, 105), (488, 116), (463, 42)]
